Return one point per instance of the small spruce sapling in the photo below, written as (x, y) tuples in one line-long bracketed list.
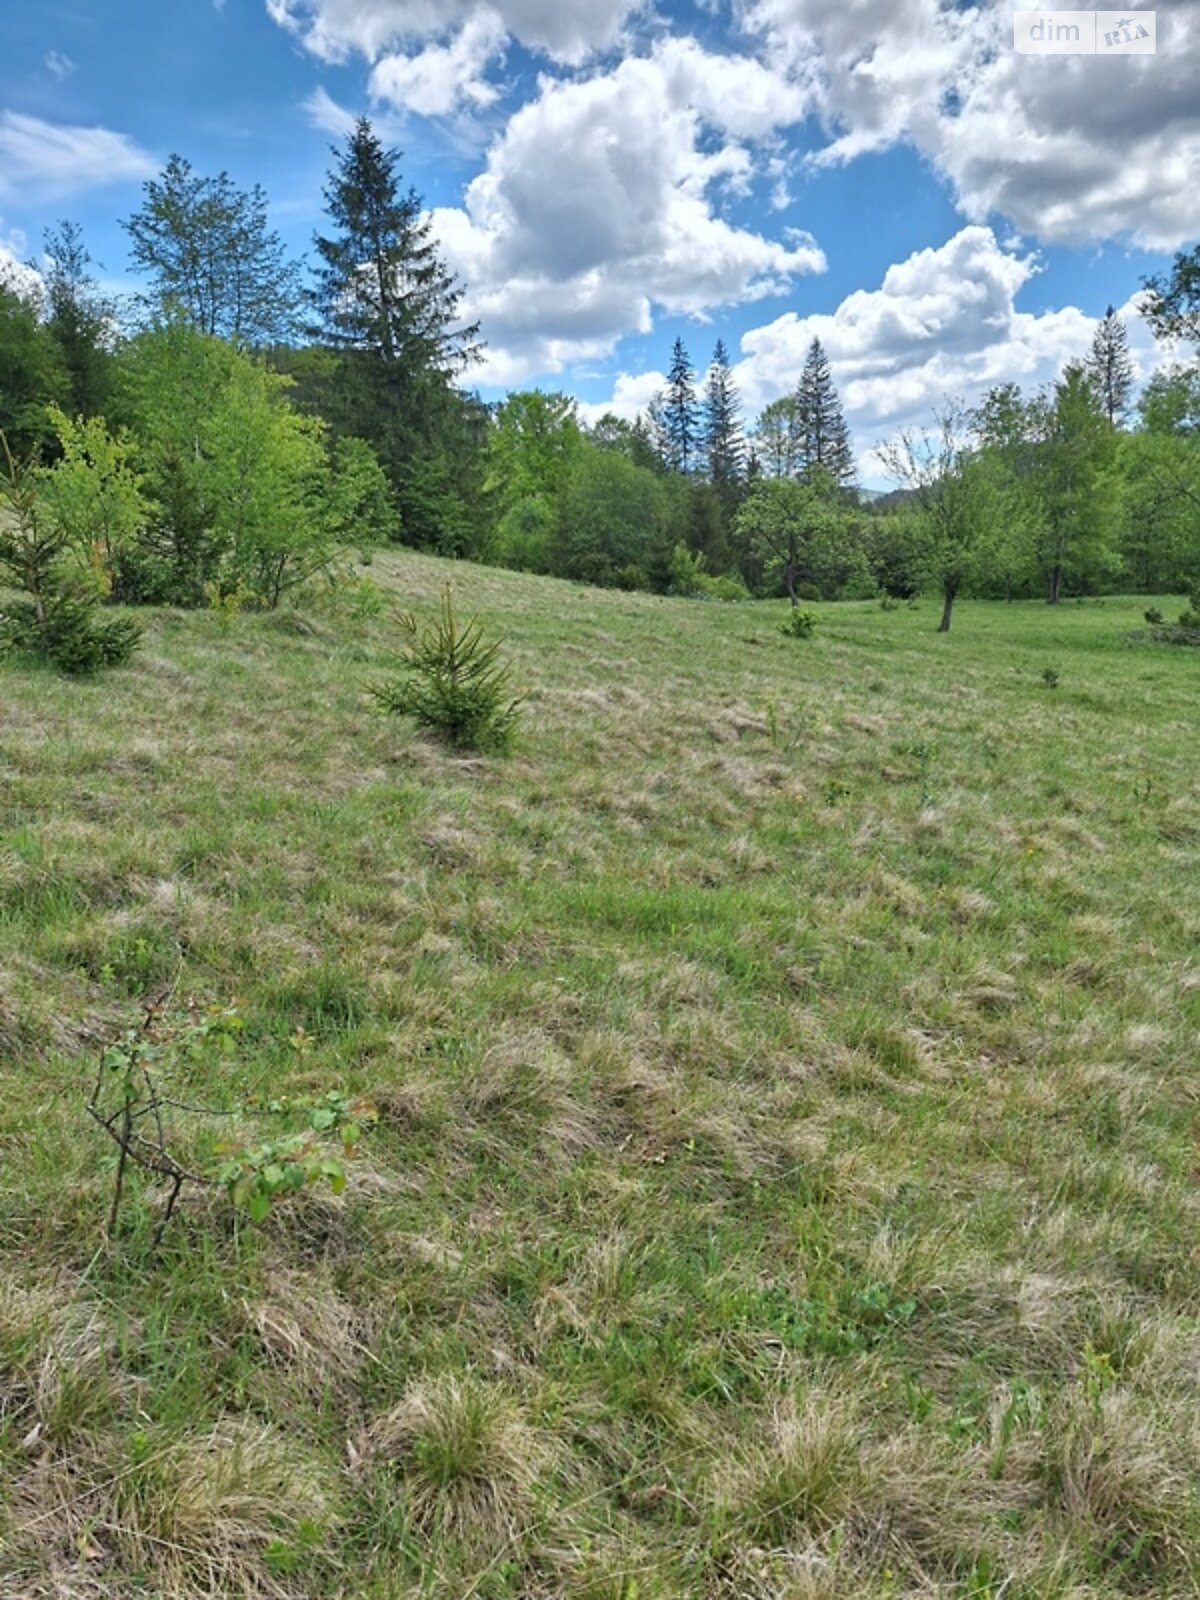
[(451, 681)]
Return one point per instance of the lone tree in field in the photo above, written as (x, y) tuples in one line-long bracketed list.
[(940, 471), (678, 414), (821, 438), (784, 527), (1110, 366), (724, 447), (210, 255), (389, 306)]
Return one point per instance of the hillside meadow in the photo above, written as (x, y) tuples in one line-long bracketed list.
[(784, 1184)]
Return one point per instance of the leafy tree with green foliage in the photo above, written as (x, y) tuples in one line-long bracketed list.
[(1075, 541), (678, 414), (94, 492), (265, 481), (1171, 304), (80, 320), (821, 440), (1009, 430), (534, 443), (31, 375), (775, 437), (615, 528), (52, 610), (793, 529), (211, 257), (949, 495), (240, 484), (388, 305), (1160, 482), (361, 508), (1110, 367)]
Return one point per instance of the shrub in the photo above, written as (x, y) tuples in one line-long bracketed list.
[(55, 612), (94, 493), (690, 576), (1153, 616), (1051, 677), (799, 624), (241, 488), (69, 633), (451, 682)]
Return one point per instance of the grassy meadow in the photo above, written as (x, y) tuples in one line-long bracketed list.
[(785, 1180)]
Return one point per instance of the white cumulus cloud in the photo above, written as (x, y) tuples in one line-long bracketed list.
[(1070, 148), (601, 201), (440, 78), (568, 31)]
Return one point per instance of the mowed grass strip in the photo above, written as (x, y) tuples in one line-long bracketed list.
[(786, 1175)]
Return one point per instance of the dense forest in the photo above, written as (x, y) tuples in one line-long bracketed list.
[(221, 439)]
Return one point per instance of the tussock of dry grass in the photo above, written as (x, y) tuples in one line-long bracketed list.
[(462, 1456)]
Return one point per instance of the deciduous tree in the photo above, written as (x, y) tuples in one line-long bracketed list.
[(211, 257)]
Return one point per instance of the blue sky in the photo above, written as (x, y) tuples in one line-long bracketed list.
[(889, 175)]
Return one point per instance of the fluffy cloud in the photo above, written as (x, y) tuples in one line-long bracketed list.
[(1070, 148), (440, 78), (600, 202), (632, 394), (55, 160), (568, 31)]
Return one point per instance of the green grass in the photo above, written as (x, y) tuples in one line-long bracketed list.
[(785, 1185)]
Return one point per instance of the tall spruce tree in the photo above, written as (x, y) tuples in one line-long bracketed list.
[(724, 448), (389, 306), (1110, 366), (822, 439), (678, 414)]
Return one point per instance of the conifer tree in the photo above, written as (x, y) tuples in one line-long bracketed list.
[(1110, 366), (724, 448), (822, 439), (80, 320), (678, 413), (389, 305)]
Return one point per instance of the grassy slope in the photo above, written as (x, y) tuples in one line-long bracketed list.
[(786, 1178)]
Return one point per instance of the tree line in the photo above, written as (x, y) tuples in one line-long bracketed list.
[(223, 437)]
